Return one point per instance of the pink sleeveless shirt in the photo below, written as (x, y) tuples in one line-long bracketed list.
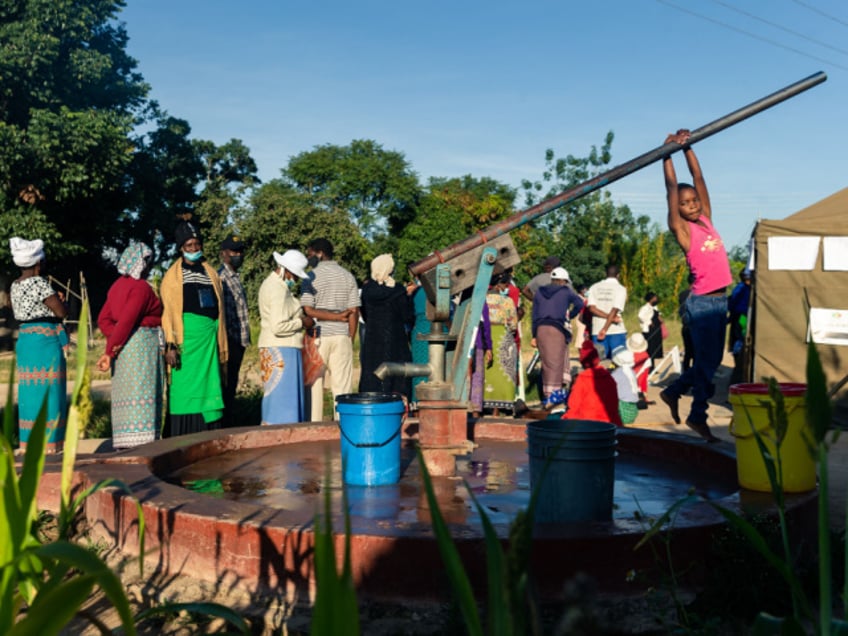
[(707, 258)]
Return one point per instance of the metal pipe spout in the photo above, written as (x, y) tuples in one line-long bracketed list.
[(404, 369)]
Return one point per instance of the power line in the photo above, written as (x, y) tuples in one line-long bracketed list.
[(806, 5), (782, 28), (752, 35)]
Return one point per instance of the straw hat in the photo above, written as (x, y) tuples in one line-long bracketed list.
[(637, 343)]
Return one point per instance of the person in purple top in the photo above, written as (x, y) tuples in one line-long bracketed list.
[(554, 306), (483, 359), (690, 220)]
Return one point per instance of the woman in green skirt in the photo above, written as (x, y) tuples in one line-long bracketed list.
[(195, 337)]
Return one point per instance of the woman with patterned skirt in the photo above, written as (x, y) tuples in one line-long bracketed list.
[(195, 337), (130, 320), (501, 378), (41, 367), (281, 341)]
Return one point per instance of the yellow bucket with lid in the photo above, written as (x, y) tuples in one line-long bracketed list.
[(750, 413)]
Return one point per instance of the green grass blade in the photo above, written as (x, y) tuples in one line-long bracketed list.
[(83, 560), (67, 515), (52, 610), (13, 524), (336, 612), (33, 466), (818, 407), (450, 557), (9, 410), (82, 352), (500, 621), (759, 544), (72, 428), (200, 608)]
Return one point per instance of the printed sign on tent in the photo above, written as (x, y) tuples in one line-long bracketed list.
[(828, 326)]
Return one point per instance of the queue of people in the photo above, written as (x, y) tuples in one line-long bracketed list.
[(184, 347)]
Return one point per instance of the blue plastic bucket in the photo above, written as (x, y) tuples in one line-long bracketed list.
[(580, 476), (374, 502), (370, 426)]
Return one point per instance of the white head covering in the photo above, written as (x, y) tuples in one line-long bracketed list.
[(293, 261), (26, 253), (381, 270), (559, 273)]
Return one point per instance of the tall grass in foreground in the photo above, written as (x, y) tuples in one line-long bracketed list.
[(44, 585), (804, 619)]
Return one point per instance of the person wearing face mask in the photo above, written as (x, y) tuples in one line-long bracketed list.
[(130, 319), (281, 341), (195, 336), (237, 319), (41, 366)]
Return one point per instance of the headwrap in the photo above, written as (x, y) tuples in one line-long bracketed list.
[(134, 259), (381, 270), (588, 353), (184, 232), (26, 253)]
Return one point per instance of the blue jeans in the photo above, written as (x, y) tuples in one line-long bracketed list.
[(707, 320)]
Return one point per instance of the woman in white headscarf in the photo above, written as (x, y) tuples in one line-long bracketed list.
[(389, 314), (130, 320), (41, 367)]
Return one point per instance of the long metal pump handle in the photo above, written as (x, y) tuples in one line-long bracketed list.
[(520, 218)]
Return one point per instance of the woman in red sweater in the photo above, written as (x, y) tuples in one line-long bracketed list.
[(131, 320)]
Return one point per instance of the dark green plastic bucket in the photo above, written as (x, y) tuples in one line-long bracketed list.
[(578, 483)]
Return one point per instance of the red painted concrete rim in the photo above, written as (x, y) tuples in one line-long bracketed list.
[(788, 389), (210, 538)]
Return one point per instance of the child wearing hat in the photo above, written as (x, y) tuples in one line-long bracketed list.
[(625, 381)]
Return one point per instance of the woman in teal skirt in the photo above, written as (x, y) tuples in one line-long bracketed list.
[(41, 367), (195, 336)]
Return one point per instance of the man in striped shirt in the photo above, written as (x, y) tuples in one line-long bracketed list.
[(331, 298)]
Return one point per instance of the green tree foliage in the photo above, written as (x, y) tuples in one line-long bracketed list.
[(279, 217), (229, 173), (586, 233), (68, 101), (451, 210), (375, 187), (163, 177)]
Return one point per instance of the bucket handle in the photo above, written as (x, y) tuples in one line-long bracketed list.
[(372, 444), (734, 430)]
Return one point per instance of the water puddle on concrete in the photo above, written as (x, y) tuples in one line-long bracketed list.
[(291, 477)]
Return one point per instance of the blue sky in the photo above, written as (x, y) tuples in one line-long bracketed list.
[(484, 88)]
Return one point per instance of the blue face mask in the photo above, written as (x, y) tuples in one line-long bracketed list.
[(504, 292), (193, 257), (290, 283)]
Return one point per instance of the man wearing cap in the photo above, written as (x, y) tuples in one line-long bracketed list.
[(606, 302), (331, 297), (235, 315), (553, 307), (539, 280)]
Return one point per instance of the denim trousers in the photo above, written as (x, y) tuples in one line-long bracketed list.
[(706, 317)]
